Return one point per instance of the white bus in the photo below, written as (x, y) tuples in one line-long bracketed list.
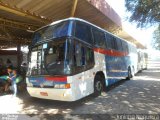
[(142, 60), (72, 58)]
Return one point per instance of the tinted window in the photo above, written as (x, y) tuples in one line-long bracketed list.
[(83, 32), (55, 54), (89, 57), (79, 55), (114, 43), (119, 44), (132, 48), (83, 57), (125, 46), (51, 58), (56, 58), (54, 31), (109, 41), (99, 38)]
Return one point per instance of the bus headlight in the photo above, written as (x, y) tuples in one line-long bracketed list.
[(62, 86), (56, 86)]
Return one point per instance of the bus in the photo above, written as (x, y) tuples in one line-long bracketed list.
[(72, 58), (145, 66), (142, 60)]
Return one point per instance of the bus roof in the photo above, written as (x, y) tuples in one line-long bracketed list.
[(79, 19)]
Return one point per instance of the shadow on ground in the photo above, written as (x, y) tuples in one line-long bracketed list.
[(138, 96)]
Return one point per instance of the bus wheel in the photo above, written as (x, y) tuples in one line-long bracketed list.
[(98, 86), (129, 74)]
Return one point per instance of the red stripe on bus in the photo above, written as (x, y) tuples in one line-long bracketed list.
[(57, 79), (110, 52)]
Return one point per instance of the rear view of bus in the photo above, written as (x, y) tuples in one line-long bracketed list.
[(142, 60), (71, 59)]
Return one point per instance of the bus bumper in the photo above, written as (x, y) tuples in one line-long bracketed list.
[(51, 93)]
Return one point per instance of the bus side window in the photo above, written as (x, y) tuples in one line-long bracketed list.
[(114, 43), (119, 44), (89, 57), (77, 54), (99, 38), (129, 48), (125, 47), (83, 57), (83, 32), (108, 41), (83, 62)]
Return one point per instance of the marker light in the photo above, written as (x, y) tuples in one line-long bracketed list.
[(62, 86)]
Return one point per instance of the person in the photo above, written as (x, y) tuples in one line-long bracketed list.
[(8, 80), (15, 80), (3, 82)]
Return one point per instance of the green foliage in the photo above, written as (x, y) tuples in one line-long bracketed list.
[(156, 41), (144, 12)]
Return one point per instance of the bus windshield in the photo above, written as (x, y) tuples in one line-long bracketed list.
[(53, 31), (50, 59)]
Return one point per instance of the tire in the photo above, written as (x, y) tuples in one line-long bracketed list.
[(98, 86), (129, 74)]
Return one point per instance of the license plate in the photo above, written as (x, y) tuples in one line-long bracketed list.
[(44, 93)]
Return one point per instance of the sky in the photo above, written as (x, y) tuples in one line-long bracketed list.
[(142, 35)]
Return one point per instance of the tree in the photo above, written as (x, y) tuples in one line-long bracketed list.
[(146, 13), (156, 36)]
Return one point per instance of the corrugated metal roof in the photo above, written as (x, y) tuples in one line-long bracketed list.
[(37, 13)]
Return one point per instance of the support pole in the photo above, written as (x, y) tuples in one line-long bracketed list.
[(19, 58), (73, 10)]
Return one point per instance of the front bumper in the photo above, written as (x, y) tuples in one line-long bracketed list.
[(52, 93)]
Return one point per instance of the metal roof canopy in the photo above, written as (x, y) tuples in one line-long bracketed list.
[(19, 17)]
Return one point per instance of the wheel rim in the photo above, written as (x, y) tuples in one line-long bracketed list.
[(98, 86)]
